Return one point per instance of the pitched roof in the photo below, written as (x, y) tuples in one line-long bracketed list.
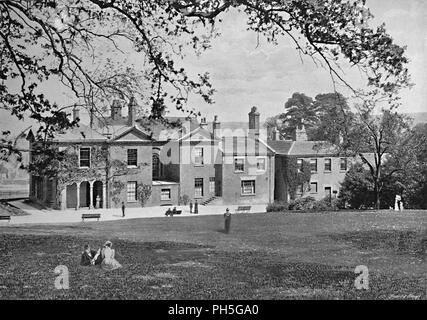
[(302, 148), (131, 134), (171, 129), (199, 134), (280, 146), (81, 133), (307, 148)]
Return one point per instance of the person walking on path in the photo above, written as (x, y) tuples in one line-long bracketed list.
[(196, 207), (123, 209), (227, 220), (191, 206)]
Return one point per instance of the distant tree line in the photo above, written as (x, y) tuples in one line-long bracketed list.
[(399, 150)]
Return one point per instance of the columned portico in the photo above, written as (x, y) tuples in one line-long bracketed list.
[(91, 194), (104, 196), (64, 199), (84, 194), (78, 195)]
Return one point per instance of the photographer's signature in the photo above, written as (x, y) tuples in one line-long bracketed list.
[(404, 296)]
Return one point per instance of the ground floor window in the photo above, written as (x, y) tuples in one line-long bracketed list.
[(131, 191), (165, 194), (313, 187), (328, 192), (248, 187), (198, 187), (260, 164), (343, 164)]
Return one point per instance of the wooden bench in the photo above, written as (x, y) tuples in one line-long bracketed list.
[(91, 216), (5, 217), (176, 212), (243, 209)]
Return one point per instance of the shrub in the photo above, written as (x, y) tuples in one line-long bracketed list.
[(144, 193), (305, 203), (277, 207), (184, 199)]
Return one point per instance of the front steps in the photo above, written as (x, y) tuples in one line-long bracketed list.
[(206, 202)]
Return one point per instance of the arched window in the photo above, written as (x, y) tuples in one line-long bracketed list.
[(156, 166)]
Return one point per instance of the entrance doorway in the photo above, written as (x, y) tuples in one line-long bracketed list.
[(97, 191), (71, 193), (84, 194)]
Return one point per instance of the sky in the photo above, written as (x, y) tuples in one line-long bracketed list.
[(265, 76), (245, 75)]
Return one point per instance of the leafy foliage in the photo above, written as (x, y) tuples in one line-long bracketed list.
[(405, 172), (184, 199), (143, 193), (299, 110), (383, 135), (293, 176), (116, 191), (321, 116), (357, 189)]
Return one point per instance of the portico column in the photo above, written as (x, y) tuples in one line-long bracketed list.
[(91, 194), (64, 198), (104, 196), (78, 195)]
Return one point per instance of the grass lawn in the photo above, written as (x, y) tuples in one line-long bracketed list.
[(265, 256)]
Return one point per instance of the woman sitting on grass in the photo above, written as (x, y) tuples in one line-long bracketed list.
[(109, 262)]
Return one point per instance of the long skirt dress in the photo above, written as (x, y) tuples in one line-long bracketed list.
[(109, 263)]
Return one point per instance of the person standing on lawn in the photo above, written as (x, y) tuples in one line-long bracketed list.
[(191, 206), (123, 209), (398, 203), (227, 220), (196, 207)]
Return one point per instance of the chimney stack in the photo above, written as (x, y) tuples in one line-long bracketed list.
[(274, 134), (203, 123), (131, 112), (300, 133), (216, 125), (116, 110), (76, 114), (254, 121)]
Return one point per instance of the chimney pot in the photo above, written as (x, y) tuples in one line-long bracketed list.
[(131, 112), (203, 123), (216, 125), (254, 121), (300, 133)]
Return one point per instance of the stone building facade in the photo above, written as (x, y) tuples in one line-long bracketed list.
[(182, 160), (187, 161)]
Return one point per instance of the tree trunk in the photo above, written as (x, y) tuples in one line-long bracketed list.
[(377, 196)]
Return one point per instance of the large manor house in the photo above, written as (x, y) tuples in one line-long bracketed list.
[(181, 160)]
